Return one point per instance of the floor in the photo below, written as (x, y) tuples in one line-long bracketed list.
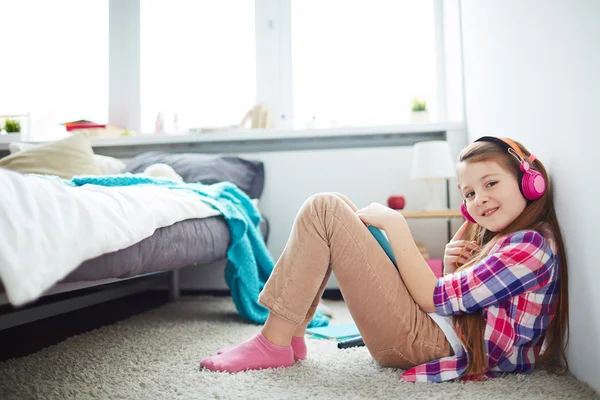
[(156, 354), (27, 339)]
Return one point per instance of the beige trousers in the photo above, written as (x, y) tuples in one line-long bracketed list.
[(328, 236)]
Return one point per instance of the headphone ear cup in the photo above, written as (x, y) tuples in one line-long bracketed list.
[(465, 213), (533, 184)]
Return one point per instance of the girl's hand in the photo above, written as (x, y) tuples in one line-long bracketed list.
[(377, 215), (452, 254)]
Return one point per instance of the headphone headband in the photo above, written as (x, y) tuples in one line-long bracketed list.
[(504, 143)]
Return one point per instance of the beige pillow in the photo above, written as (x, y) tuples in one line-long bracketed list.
[(65, 158), (107, 165)]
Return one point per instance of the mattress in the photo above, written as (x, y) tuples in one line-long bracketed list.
[(188, 242)]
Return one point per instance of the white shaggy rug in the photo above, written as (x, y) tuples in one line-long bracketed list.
[(156, 355)]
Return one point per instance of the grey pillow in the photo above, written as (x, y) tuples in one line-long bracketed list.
[(248, 175)]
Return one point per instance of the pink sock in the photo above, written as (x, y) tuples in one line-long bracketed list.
[(298, 345), (255, 353)]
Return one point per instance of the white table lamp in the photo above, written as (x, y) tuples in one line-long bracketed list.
[(432, 163)]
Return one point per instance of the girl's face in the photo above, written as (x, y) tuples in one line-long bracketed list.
[(491, 194)]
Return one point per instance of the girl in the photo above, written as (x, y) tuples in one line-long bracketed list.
[(501, 306)]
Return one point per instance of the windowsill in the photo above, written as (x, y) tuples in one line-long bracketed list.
[(13, 137), (356, 136), (273, 134)]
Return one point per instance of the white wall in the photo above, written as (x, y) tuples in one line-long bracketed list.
[(532, 73)]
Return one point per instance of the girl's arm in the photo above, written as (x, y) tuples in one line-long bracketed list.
[(458, 250), (414, 270)]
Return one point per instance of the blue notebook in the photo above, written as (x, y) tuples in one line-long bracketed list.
[(335, 331), (384, 243)]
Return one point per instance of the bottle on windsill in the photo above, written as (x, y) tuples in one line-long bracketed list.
[(159, 124)]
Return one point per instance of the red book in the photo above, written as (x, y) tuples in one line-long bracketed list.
[(71, 126)]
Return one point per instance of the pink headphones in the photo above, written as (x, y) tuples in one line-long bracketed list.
[(532, 182)]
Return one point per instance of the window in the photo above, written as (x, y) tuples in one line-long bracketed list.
[(54, 63), (361, 63), (197, 62), (327, 63)]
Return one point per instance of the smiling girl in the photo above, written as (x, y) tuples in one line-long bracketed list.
[(501, 306)]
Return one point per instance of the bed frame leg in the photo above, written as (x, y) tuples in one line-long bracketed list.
[(174, 285)]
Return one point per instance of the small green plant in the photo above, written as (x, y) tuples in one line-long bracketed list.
[(12, 126), (418, 105)]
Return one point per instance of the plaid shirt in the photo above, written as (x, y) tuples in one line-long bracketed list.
[(516, 289)]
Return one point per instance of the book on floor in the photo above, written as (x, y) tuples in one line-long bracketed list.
[(338, 332)]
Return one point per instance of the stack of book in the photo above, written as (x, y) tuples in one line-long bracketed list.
[(90, 128)]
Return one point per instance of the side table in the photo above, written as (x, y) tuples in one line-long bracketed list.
[(448, 214)]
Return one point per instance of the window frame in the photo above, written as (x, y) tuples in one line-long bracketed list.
[(273, 26)]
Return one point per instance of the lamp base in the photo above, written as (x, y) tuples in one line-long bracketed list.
[(434, 206), (435, 198)]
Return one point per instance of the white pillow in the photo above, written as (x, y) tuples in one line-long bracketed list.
[(164, 171), (107, 165)]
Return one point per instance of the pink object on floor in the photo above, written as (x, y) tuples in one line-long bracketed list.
[(255, 353), (437, 266)]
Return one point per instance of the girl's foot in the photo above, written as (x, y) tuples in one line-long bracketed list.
[(298, 346), (255, 353)]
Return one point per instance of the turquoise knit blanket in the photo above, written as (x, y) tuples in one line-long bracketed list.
[(249, 263)]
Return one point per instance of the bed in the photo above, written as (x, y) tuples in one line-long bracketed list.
[(123, 249), (189, 242)]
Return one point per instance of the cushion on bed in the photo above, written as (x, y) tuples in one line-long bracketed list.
[(248, 175), (65, 158), (107, 165)]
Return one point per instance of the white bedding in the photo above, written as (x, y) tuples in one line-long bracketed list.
[(47, 229)]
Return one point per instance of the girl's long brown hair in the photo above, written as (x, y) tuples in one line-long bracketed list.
[(471, 327)]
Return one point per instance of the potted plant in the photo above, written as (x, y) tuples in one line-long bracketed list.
[(419, 112), (12, 126)]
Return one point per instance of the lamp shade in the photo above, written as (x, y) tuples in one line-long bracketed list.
[(432, 160)]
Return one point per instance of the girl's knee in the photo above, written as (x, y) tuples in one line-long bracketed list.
[(340, 195), (327, 204), (324, 200)]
